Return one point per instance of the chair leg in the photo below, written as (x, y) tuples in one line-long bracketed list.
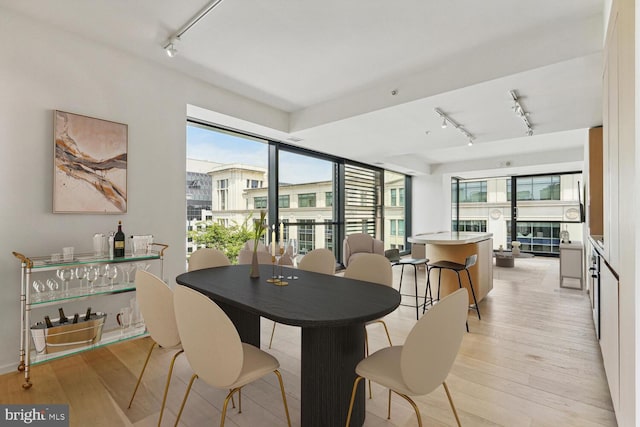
[(401, 274), (226, 403), (272, 332), (453, 408), (415, 283), (284, 397), (386, 331), (415, 407), (166, 387), (141, 373), (184, 400), (475, 301), (427, 291), (366, 352), (239, 399), (353, 398), (389, 406)]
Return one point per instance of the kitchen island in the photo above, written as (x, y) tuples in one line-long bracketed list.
[(456, 246)]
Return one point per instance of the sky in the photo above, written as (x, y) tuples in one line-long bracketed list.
[(215, 146)]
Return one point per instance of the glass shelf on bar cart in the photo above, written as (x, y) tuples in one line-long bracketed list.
[(81, 259), (108, 337), (52, 297)]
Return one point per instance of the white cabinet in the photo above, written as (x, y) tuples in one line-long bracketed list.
[(47, 283), (609, 335), (571, 263)]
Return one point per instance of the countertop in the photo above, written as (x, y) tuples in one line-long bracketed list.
[(450, 238)]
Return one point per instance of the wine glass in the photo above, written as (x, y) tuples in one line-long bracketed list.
[(66, 275), (81, 273), (128, 269), (292, 248), (103, 270), (112, 273), (53, 286), (92, 276), (39, 288)]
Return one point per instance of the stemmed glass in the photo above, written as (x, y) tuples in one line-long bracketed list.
[(92, 276), (81, 273), (142, 266), (292, 248), (103, 270), (128, 269), (53, 286), (39, 288), (66, 275), (112, 273)]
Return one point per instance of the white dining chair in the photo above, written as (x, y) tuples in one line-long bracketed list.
[(423, 363), (155, 300), (214, 350), (372, 268), (207, 258)]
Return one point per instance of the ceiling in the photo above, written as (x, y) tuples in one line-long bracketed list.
[(361, 78)]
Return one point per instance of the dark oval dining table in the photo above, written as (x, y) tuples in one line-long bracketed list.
[(331, 311)]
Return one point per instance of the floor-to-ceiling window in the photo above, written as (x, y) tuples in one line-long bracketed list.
[(305, 190), (234, 168), (394, 211), (318, 198), (534, 209)]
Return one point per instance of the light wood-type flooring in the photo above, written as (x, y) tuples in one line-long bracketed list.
[(533, 360)]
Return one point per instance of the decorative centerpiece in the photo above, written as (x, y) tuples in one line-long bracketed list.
[(259, 227)]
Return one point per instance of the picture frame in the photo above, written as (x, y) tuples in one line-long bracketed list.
[(89, 164)]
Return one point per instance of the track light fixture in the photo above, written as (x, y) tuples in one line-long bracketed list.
[(169, 46), (520, 112), (447, 120), (171, 50)]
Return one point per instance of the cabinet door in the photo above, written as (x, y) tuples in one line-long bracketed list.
[(609, 335)]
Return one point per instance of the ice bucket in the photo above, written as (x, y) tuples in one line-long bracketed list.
[(69, 335)]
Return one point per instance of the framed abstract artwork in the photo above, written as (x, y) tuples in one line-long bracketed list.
[(90, 165)]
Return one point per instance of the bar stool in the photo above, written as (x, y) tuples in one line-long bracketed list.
[(453, 266), (415, 262)]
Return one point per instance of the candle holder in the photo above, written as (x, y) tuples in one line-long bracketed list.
[(276, 279)]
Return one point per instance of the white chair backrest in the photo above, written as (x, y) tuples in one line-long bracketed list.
[(155, 300), (209, 338), (207, 258), (319, 261), (470, 261), (433, 343), (248, 245), (245, 256), (370, 268)]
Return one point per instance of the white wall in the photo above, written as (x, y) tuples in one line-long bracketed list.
[(44, 69)]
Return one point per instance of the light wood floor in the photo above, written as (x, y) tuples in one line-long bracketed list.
[(532, 360)]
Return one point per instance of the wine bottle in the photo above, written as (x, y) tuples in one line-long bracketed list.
[(118, 242), (47, 321), (75, 318), (87, 316), (63, 318)]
